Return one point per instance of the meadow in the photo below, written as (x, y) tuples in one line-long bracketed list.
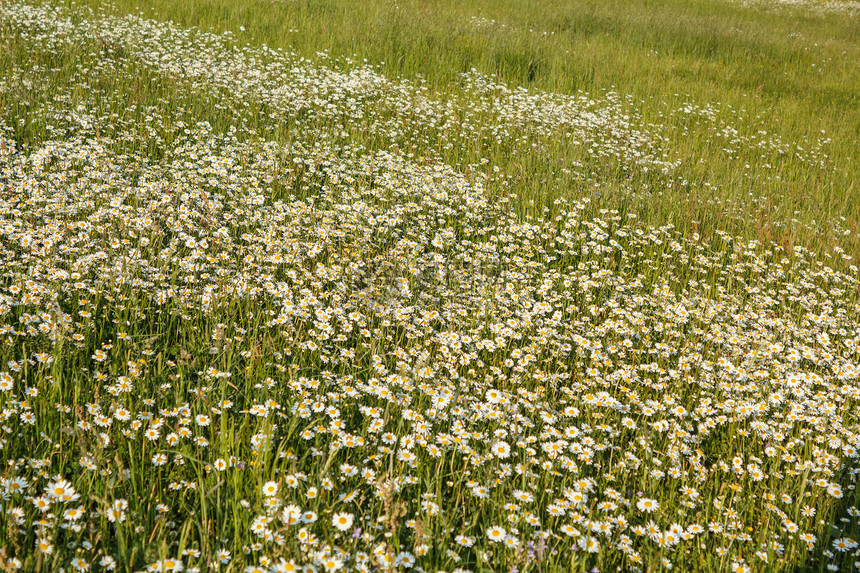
[(482, 285)]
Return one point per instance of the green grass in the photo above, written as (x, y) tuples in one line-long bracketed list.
[(790, 72), (211, 283)]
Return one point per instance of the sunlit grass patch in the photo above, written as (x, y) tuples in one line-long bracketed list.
[(266, 312)]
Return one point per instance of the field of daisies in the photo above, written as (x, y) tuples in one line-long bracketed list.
[(264, 311)]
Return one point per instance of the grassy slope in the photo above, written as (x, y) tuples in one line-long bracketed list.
[(793, 69), (695, 50)]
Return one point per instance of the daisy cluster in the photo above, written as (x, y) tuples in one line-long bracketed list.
[(349, 97), (848, 7), (221, 350)]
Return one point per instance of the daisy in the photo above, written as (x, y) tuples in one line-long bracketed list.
[(648, 505), (331, 564), (61, 490), (501, 449), (342, 521), (589, 544), (835, 490), (270, 488), (496, 533)]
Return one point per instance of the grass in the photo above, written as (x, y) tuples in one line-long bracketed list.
[(788, 72), (264, 310)]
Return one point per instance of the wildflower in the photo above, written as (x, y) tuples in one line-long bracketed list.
[(835, 490), (291, 514), (331, 564), (342, 521), (523, 496), (42, 503), (16, 485), (165, 565), (116, 513), (501, 449), (496, 534), (589, 544), (270, 488), (309, 517), (648, 505)]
